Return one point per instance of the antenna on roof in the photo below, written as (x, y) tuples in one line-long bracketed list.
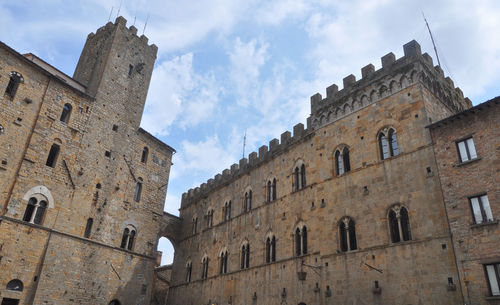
[(119, 8), (244, 142), (134, 21), (432, 38), (146, 23), (110, 13)]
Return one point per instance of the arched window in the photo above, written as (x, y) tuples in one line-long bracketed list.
[(138, 190), (245, 256), (399, 224), (189, 269), (15, 79), (15, 285), (128, 238), (144, 156), (35, 210), (88, 228), (303, 175), (115, 302), (195, 225), (271, 249), (301, 241), (223, 262), (342, 161), (204, 270), (274, 189), (226, 210), (347, 231), (269, 191), (247, 206), (297, 178), (388, 143), (210, 218), (53, 154), (300, 176), (66, 113)]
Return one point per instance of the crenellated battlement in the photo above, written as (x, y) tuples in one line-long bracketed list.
[(121, 22), (394, 75), (374, 85), (255, 159)]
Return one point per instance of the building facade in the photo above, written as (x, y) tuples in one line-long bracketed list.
[(82, 186), (347, 211), (467, 149)]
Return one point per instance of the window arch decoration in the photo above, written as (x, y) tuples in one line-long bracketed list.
[(270, 247), (300, 234), (210, 217), (342, 160), (223, 256), (66, 113), (347, 234), (245, 255), (271, 189), (128, 237), (247, 200), (40, 190), (226, 210), (388, 144), (204, 263), (189, 270), (299, 175), (15, 285), (399, 223)]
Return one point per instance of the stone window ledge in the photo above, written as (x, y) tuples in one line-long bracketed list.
[(492, 298), (467, 162), (483, 224)]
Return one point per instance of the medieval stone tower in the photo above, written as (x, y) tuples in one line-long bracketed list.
[(82, 186)]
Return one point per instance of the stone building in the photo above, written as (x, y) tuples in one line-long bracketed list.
[(467, 149), (82, 186), (348, 210)]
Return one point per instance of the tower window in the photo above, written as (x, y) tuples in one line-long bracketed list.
[(388, 143), (301, 241), (66, 112), (53, 154), (138, 190), (271, 249), (347, 235), (14, 81), (144, 156), (189, 269), (467, 150), (128, 238), (35, 210), (399, 224), (88, 228)]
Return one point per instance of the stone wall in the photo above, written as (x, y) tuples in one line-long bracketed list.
[(95, 175), (401, 271)]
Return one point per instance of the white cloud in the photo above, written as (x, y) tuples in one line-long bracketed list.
[(246, 61), (177, 92)]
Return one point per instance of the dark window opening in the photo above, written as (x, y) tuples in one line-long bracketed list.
[(53, 154), (399, 224), (66, 113), (138, 191), (88, 228), (14, 81), (189, 269), (144, 156), (115, 302), (9, 301), (204, 271), (128, 238), (115, 127), (107, 153), (35, 211), (15, 285), (130, 70)]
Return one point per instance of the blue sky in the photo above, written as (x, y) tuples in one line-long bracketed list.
[(229, 66)]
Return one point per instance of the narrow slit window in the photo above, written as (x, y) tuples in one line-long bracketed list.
[(88, 228), (53, 154), (144, 156), (138, 191)]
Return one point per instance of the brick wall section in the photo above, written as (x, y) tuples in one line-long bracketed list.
[(161, 279), (53, 260), (475, 245)]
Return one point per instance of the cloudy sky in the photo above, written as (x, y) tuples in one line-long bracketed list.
[(226, 67)]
